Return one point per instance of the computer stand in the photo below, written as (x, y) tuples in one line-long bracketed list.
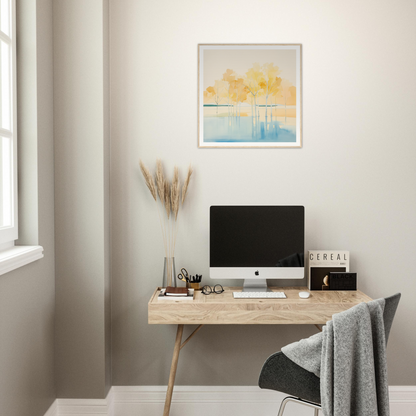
[(255, 285)]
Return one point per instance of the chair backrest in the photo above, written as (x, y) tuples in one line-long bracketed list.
[(389, 312)]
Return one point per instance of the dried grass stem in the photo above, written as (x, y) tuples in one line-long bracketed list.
[(170, 198)]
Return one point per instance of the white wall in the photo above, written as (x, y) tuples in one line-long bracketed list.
[(355, 174), (27, 294), (82, 340)]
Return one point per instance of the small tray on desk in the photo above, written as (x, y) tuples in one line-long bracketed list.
[(162, 297), (219, 309)]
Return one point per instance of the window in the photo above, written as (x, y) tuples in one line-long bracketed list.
[(8, 147), (11, 256)]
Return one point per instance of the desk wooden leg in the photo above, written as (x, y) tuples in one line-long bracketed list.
[(173, 368)]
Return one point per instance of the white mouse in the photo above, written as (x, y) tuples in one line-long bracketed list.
[(304, 295)]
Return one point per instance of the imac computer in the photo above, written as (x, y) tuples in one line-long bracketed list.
[(256, 243)]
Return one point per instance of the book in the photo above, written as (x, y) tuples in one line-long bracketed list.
[(323, 262), (163, 297), (176, 291)]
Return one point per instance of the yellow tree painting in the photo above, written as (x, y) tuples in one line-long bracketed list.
[(249, 95)]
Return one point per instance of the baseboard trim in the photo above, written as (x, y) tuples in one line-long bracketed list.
[(53, 410), (84, 407), (194, 394), (402, 394), (203, 400)]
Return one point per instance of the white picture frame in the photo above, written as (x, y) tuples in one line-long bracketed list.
[(249, 95)]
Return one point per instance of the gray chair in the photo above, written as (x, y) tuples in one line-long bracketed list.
[(281, 374)]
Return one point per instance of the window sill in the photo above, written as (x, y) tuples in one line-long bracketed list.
[(18, 256)]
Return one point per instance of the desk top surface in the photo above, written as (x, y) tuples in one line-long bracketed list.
[(217, 309)]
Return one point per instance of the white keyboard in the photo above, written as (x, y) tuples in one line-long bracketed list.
[(259, 295)]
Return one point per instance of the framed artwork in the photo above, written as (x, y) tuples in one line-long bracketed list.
[(249, 95)]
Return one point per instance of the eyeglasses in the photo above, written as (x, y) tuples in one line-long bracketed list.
[(207, 290)]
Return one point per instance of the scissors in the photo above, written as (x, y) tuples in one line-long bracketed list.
[(183, 275)]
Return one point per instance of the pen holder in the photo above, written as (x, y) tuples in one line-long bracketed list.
[(195, 286)]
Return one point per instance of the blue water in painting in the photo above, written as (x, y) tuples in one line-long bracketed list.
[(247, 129)]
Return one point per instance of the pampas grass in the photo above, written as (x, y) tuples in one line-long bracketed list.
[(186, 183), (174, 193), (166, 197), (160, 180), (148, 179), (168, 209)]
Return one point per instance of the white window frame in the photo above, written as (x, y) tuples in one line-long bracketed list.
[(11, 256), (9, 233)]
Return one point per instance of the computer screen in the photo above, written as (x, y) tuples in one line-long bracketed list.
[(256, 242)]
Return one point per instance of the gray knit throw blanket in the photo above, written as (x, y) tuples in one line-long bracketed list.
[(349, 356)]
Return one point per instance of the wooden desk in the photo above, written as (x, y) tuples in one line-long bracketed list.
[(223, 309)]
